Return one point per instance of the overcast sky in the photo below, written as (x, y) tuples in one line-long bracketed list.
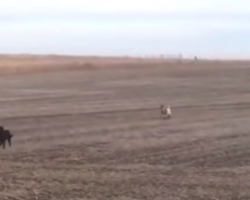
[(211, 28)]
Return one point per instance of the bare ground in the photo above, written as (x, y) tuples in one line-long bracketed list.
[(96, 134)]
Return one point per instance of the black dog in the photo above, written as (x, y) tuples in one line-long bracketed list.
[(5, 135)]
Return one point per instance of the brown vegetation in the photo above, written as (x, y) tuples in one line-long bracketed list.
[(97, 134)]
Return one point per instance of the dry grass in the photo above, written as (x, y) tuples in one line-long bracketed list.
[(33, 63), (97, 134)]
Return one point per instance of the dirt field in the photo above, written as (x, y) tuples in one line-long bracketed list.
[(96, 134)]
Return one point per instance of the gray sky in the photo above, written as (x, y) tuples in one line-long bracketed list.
[(210, 28)]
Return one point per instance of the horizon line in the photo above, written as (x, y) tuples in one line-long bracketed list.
[(151, 56)]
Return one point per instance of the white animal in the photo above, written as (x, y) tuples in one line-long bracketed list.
[(166, 112)]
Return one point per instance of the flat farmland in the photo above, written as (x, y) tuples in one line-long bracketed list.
[(96, 134)]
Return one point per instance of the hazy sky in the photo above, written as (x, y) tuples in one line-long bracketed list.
[(217, 28)]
